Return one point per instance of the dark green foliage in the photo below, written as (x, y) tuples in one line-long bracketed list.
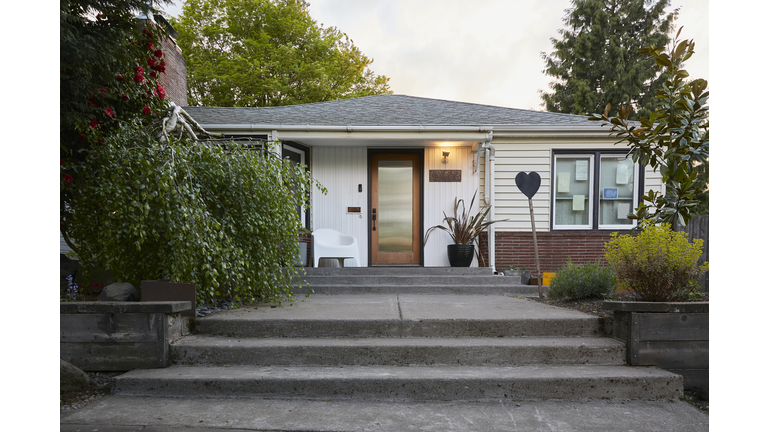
[(658, 264), (596, 60), (244, 53), (674, 139), (582, 281), (221, 216)]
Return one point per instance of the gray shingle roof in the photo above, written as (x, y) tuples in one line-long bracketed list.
[(383, 110)]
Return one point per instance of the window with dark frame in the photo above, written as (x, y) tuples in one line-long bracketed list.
[(594, 190)]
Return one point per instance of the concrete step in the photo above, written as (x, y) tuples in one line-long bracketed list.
[(398, 271), (208, 350), (156, 414), (396, 316), (435, 383), (412, 280), (404, 288)]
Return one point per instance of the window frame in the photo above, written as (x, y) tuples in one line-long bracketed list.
[(595, 156), (303, 151)]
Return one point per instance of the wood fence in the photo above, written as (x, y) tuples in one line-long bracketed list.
[(698, 228)]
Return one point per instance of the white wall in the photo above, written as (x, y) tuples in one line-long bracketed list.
[(341, 170), (439, 197)]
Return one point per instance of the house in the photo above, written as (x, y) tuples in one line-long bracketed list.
[(393, 164)]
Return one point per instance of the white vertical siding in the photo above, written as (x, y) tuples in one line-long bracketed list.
[(341, 170), (439, 197)]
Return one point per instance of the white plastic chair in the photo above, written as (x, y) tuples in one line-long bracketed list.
[(328, 243)]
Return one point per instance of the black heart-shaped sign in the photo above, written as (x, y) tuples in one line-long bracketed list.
[(528, 183)]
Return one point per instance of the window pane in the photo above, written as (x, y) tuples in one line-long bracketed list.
[(617, 190), (572, 190), (395, 206)]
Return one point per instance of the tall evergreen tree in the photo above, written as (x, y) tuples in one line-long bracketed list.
[(596, 61), (268, 53)]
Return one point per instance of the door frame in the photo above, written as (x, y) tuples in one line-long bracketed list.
[(419, 152)]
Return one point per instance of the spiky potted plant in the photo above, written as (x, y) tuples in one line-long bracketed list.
[(464, 230)]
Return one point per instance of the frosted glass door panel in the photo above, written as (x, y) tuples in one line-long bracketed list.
[(395, 206)]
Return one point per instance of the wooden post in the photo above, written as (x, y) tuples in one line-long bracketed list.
[(536, 248)]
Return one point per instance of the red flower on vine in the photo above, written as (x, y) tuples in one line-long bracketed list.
[(68, 178), (160, 92), (158, 53), (139, 78), (151, 61), (125, 98), (109, 113), (151, 47), (139, 70), (146, 110), (120, 77), (153, 74), (94, 124)]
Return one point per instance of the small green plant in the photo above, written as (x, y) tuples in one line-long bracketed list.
[(658, 264), (582, 281)]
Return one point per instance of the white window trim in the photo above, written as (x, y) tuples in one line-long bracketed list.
[(588, 205), (303, 154), (636, 179)]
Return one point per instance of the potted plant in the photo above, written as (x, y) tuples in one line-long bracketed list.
[(511, 271), (662, 326), (525, 276), (464, 229)]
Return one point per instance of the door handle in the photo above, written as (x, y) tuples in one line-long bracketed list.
[(373, 218)]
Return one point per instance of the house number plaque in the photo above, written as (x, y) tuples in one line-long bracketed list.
[(445, 176)]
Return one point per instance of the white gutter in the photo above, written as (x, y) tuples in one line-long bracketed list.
[(489, 195), (349, 128)]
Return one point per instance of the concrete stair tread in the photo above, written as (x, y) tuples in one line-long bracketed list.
[(542, 341), (345, 373), (212, 350), (535, 382), (243, 414)]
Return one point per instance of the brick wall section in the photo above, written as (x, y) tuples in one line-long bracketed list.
[(516, 248), (174, 80)]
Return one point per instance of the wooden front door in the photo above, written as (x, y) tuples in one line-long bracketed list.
[(395, 209)]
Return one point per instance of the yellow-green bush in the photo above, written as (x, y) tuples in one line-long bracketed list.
[(658, 264)]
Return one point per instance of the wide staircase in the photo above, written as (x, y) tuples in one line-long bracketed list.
[(411, 335)]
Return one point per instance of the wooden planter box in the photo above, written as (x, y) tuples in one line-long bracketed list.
[(163, 290), (120, 336), (670, 335)]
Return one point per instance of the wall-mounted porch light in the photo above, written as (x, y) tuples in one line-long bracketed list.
[(446, 153)]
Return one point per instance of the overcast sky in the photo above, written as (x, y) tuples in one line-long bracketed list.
[(484, 51)]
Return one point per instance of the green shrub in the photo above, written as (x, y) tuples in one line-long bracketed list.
[(219, 215), (658, 264), (582, 281)]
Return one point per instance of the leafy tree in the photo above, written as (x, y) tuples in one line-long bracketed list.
[(268, 53), (674, 139), (109, 66), (596, 61), (221, 216)]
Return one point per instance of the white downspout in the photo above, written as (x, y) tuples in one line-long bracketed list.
[(489, 195)]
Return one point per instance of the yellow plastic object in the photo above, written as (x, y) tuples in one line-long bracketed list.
[(547, 278)]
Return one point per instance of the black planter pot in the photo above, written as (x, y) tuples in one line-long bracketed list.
[(460, 255)]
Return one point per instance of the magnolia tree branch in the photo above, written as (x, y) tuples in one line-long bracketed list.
[(179, 122)]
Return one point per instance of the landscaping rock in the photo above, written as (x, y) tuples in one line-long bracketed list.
[(119, 292), (71, 378)]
